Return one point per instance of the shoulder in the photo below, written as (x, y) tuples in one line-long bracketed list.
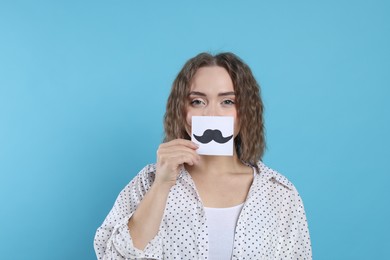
[(140, 183), (148, 169), (272, 182), (145, 176), (267, 174)]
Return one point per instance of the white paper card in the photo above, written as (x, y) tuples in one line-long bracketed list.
[(213, 134)]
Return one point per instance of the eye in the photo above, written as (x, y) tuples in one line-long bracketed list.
[(197, 102), (228, 102)]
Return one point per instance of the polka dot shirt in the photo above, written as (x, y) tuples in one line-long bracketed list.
[(272, 223)]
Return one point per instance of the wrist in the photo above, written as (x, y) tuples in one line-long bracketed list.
[(161, 187)]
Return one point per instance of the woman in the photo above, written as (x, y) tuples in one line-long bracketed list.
[(191, 206)]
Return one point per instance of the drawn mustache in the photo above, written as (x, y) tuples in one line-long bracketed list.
[(210, 135)]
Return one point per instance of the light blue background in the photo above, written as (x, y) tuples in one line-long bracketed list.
[(83, 86)]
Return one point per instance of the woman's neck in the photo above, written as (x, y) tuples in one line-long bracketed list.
[(217, 165)]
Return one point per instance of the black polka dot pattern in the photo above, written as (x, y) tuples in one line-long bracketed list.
[(272, 223)]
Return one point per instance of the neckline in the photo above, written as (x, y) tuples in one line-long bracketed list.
[(228, 208)]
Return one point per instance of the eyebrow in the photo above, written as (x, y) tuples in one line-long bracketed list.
[(197, 93)]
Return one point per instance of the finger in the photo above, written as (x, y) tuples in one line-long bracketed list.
[(181, 142), (183, 158), (166, 155), (178, 148), (163, 151)]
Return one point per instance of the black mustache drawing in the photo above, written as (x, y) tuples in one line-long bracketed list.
[(210, 135)]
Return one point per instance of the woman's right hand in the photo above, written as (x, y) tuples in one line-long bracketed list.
[(170, 156)]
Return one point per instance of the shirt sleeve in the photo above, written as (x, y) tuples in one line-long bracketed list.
[(294, 237), (112, 238)]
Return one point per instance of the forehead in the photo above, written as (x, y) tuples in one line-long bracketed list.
[(214, 77)]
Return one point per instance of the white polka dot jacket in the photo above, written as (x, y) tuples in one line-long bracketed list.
[(272, 223)]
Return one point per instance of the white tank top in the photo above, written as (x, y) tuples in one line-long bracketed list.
[(221, 223)]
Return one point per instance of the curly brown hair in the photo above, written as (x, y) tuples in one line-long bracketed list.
[(250, 141)]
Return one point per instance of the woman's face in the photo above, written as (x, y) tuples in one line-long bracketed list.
[(211, 94)]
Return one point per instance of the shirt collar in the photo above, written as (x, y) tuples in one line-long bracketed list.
[(272, 175), (263, 172)]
